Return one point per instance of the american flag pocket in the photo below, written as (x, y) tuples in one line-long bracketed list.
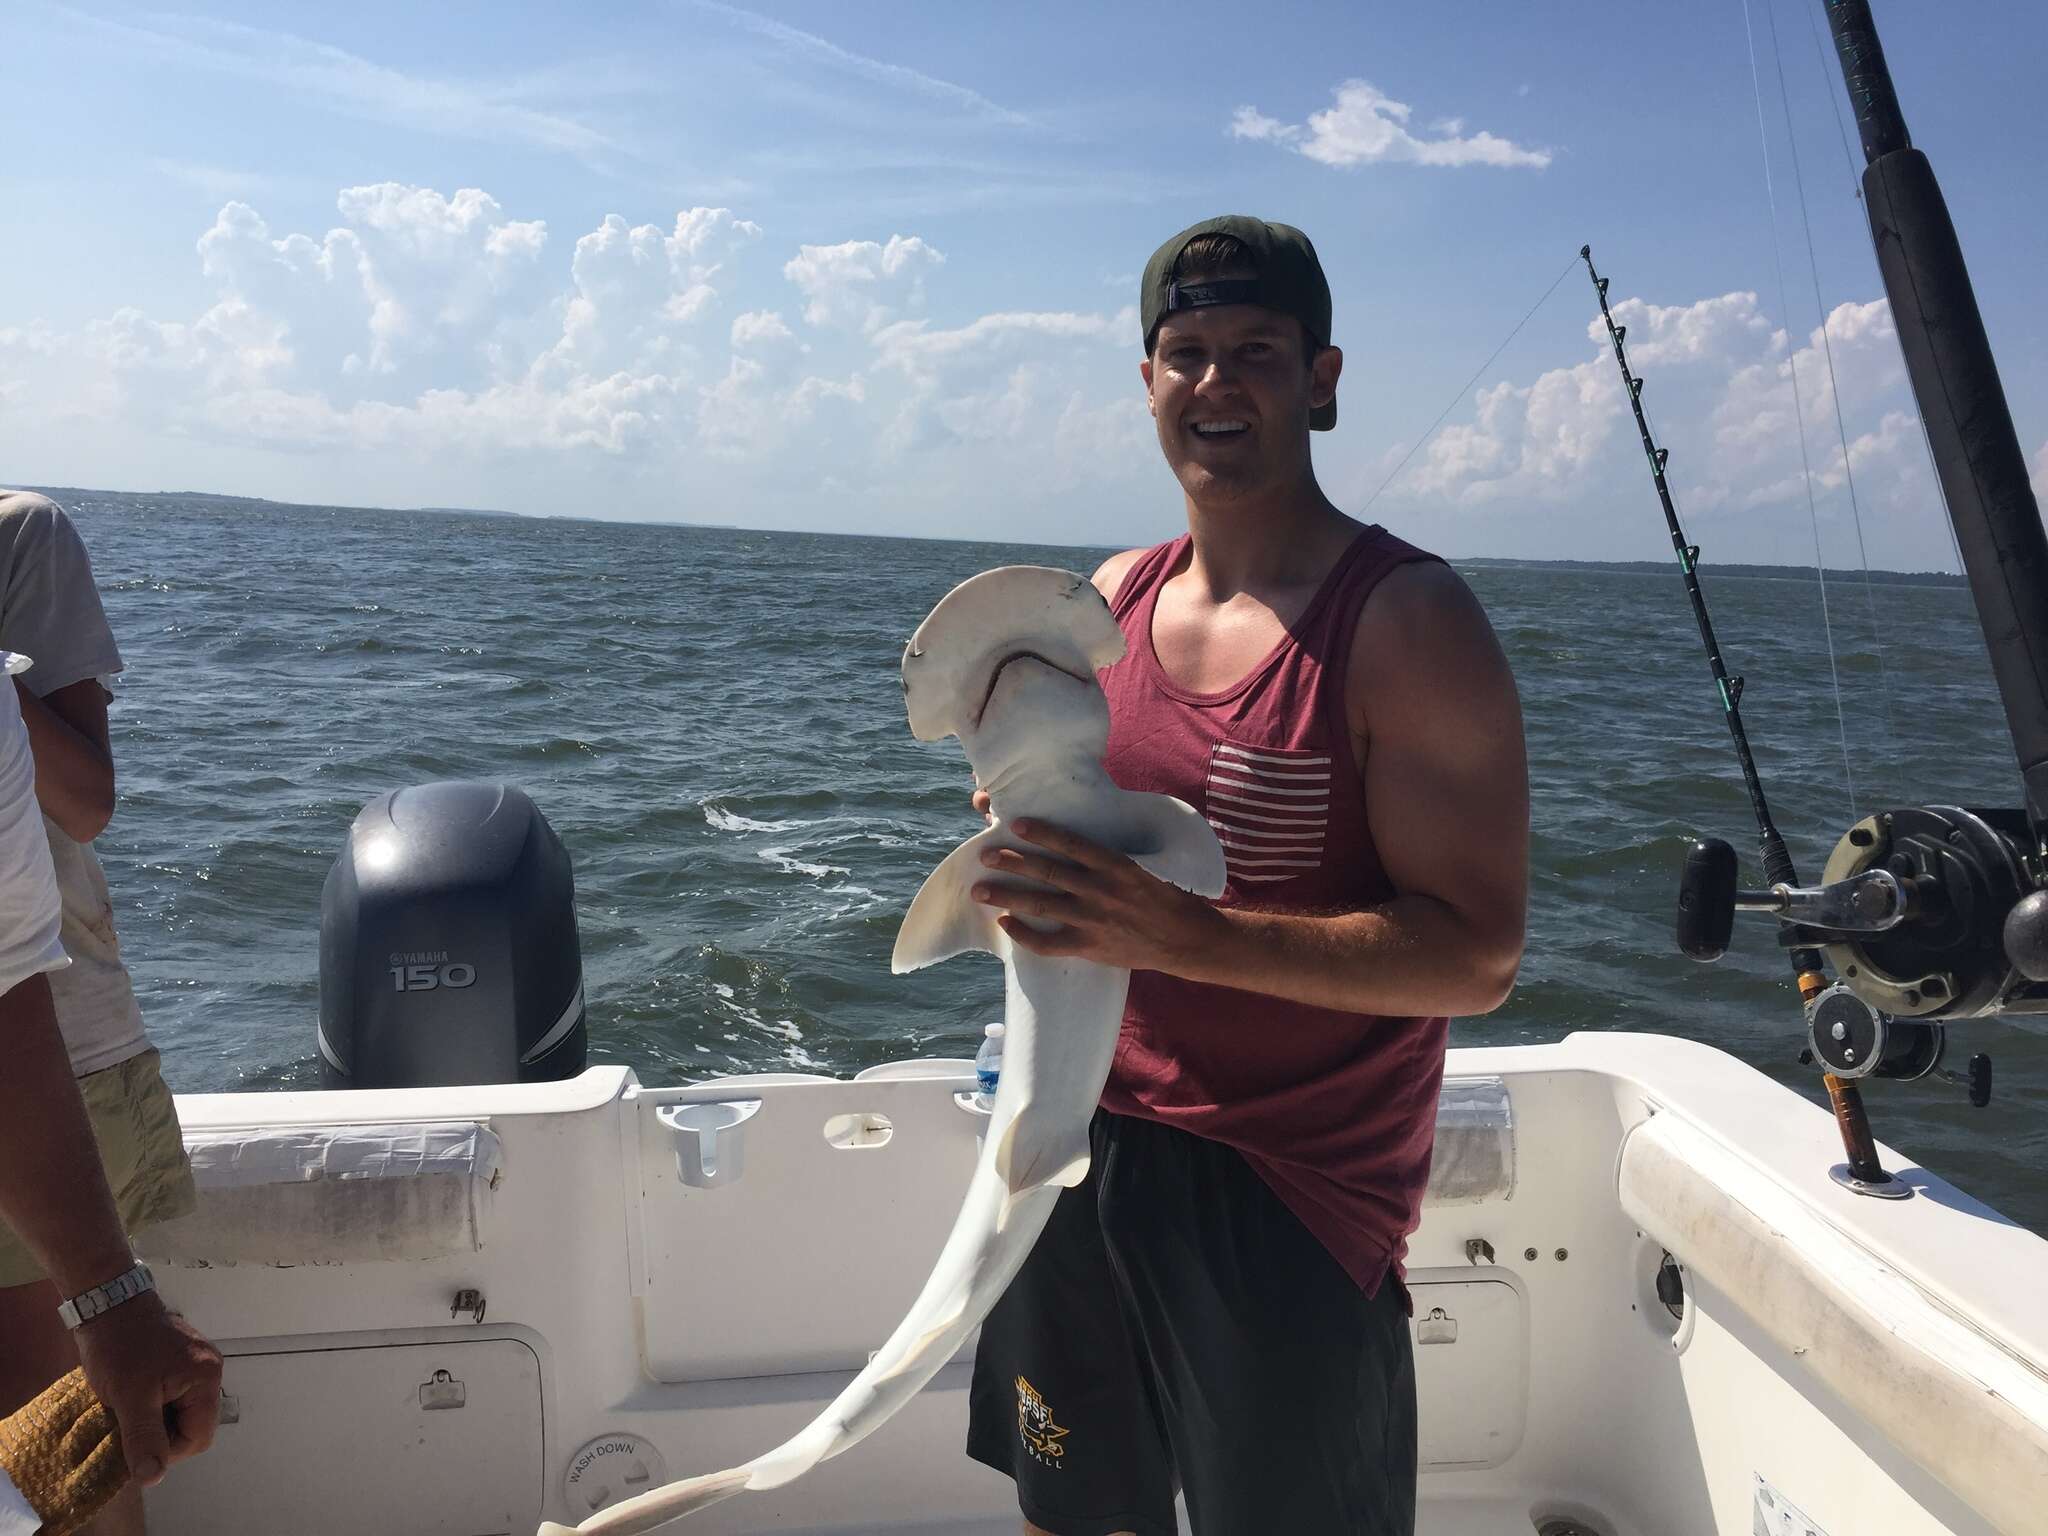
[(1270, 807)]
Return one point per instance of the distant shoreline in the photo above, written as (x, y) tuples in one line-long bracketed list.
[(1712, 569)]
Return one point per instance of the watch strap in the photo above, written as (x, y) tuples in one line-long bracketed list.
[(89, 1304)]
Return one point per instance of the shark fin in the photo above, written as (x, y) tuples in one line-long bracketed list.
[(1176, 843), (944, 919), (1024, 1170)]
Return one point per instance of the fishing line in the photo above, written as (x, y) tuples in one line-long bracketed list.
[(1467, 386), (1799, 413), (1884, 682), (1827, 83)]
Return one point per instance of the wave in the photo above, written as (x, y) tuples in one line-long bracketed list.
[(782, 860), (732, 821)]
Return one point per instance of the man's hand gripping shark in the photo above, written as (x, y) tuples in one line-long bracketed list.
[(1007, 663)]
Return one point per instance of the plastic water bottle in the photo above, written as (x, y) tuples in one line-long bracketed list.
[(988, 1066)]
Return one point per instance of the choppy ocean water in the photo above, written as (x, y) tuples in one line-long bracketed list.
[(711, 720)]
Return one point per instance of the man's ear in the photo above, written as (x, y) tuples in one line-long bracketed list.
[(1145, 373), (1325, 368)]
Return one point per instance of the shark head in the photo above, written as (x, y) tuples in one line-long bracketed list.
[(1007, 663)]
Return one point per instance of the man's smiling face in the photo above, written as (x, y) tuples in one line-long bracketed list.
[(1230, 387)]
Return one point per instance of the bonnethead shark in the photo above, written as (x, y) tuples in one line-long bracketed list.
[(1007, 663)]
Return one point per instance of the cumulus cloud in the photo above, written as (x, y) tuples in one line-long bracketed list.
[(860, 282), (997, 378), (408, 274), (1367, 126), (1720, 395), (637, 285), (760, 327), (1708, 332), (436, 338)]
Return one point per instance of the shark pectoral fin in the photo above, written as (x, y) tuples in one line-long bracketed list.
[(1024, 1168), (944, 919), (1175, 842)]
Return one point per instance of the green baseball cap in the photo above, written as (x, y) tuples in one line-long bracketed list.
[(1290, 279)]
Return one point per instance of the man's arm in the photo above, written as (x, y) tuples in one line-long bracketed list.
[(160, 1380), (1447, 800), (158, 1377), (67, 731)]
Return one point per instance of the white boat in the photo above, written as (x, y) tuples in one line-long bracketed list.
[(1643, 1304), (1642, 1307)]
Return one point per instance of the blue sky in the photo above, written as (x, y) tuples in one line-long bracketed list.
[(871, 267)]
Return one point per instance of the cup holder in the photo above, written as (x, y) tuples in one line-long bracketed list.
[(710, 1141)]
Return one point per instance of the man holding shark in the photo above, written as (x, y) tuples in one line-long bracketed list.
[(1218, 1309)]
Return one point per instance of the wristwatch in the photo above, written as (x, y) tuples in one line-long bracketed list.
[(126, 1286)]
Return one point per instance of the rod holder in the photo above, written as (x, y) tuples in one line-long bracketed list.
[(710, 1139)]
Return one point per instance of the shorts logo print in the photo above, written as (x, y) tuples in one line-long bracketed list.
[(1042, 1438)]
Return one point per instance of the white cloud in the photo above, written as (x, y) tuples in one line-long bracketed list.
[(1251, 123), (432, 347), (1366, 126), (758, 327), (636, 286), (35, 337), (1707, 332), (914, 347), (849, 283), (1719, 394), (495, 112), (877, 71)]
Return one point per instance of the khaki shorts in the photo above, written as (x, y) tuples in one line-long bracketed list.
[(135, 1122)]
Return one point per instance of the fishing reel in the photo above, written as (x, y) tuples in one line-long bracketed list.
[(1927, 914)]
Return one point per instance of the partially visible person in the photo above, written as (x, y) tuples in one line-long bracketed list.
[(157, 1376), (50, 612)]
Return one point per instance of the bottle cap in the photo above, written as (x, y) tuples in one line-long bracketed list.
[(994, 1031)]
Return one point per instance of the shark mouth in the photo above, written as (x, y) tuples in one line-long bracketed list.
[(996, 676)]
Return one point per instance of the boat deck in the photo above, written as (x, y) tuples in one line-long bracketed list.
[(462, 1311)]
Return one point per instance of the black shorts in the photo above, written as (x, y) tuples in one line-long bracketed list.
[(1177, 1328)]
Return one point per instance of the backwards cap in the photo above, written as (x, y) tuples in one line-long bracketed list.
[(1290, 279)]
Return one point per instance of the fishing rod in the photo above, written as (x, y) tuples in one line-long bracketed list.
[(1929, 914), (1708, 897)]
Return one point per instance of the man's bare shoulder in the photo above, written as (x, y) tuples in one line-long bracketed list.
[(21, 504), (1423, 625), (1111, 573), (1419, 599)]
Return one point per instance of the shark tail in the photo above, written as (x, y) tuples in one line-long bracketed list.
[(651, 1511)]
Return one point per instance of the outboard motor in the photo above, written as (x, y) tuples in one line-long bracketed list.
[(448, 945)]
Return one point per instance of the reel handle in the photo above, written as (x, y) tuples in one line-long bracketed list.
[(1706, 900)]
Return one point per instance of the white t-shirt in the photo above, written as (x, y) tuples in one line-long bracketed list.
[(50, 612), (29, 907)]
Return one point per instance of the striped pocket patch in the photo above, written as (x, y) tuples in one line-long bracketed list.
[(1270, 807)]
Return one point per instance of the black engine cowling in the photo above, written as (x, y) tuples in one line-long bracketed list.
[(448, 944)]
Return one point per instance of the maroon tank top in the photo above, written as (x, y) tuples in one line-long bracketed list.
[(1335, 1111)]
